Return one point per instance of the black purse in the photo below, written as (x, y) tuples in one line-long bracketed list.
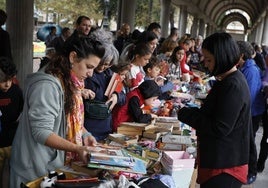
[(96, 109)]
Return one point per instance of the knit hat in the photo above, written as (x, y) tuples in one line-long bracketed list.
[(149, 88)]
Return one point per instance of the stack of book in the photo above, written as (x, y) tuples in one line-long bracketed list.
[(169, 121), (174, 142), (123, 139), (157, 131), (133, 129)]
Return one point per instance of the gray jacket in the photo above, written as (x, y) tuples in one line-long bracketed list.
[(43, 114)]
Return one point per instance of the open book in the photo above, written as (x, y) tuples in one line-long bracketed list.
[(115, 85)]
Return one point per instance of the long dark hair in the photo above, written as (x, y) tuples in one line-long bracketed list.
[(173, 57), (60, 65)]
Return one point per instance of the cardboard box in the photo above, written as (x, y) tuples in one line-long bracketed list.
[(69, 173), (193, 179), (179, 166), (176, 160), (182, 178)]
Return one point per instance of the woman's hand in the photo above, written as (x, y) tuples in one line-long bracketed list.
[(90, 141), (113, 100), (88, 94), (83, 152)]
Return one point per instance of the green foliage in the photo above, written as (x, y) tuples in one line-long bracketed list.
[(71, 9), (147, 11), (3, 4), (112, 7)]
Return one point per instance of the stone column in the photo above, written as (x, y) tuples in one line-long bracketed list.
[(265, 30), (119, 14), (259, 40), (209, 30), (183, 19), (20, 27), (164, 18), (201, 27), (258, 32), (252, 35), (128, 12), (194, 29)]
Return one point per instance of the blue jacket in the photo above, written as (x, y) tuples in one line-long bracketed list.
[(98, 83), (252, 74)]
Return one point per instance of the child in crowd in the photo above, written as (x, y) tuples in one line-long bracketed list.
[(139, 56), (185, 68), (152, 71), (11, 104), (175, 66), (144, 95), (188, 59), (122, 69)]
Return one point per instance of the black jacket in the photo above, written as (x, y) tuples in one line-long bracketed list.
[(11, 104), (223, 123)]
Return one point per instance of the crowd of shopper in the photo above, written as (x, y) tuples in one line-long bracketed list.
[(54, 127)]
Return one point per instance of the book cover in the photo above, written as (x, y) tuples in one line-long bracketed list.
[(152, 154), (170, 146), (111, 156), (115, 85), (138, 167)]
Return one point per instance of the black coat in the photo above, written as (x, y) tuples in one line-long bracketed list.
[(223, 123), (5, 49)]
